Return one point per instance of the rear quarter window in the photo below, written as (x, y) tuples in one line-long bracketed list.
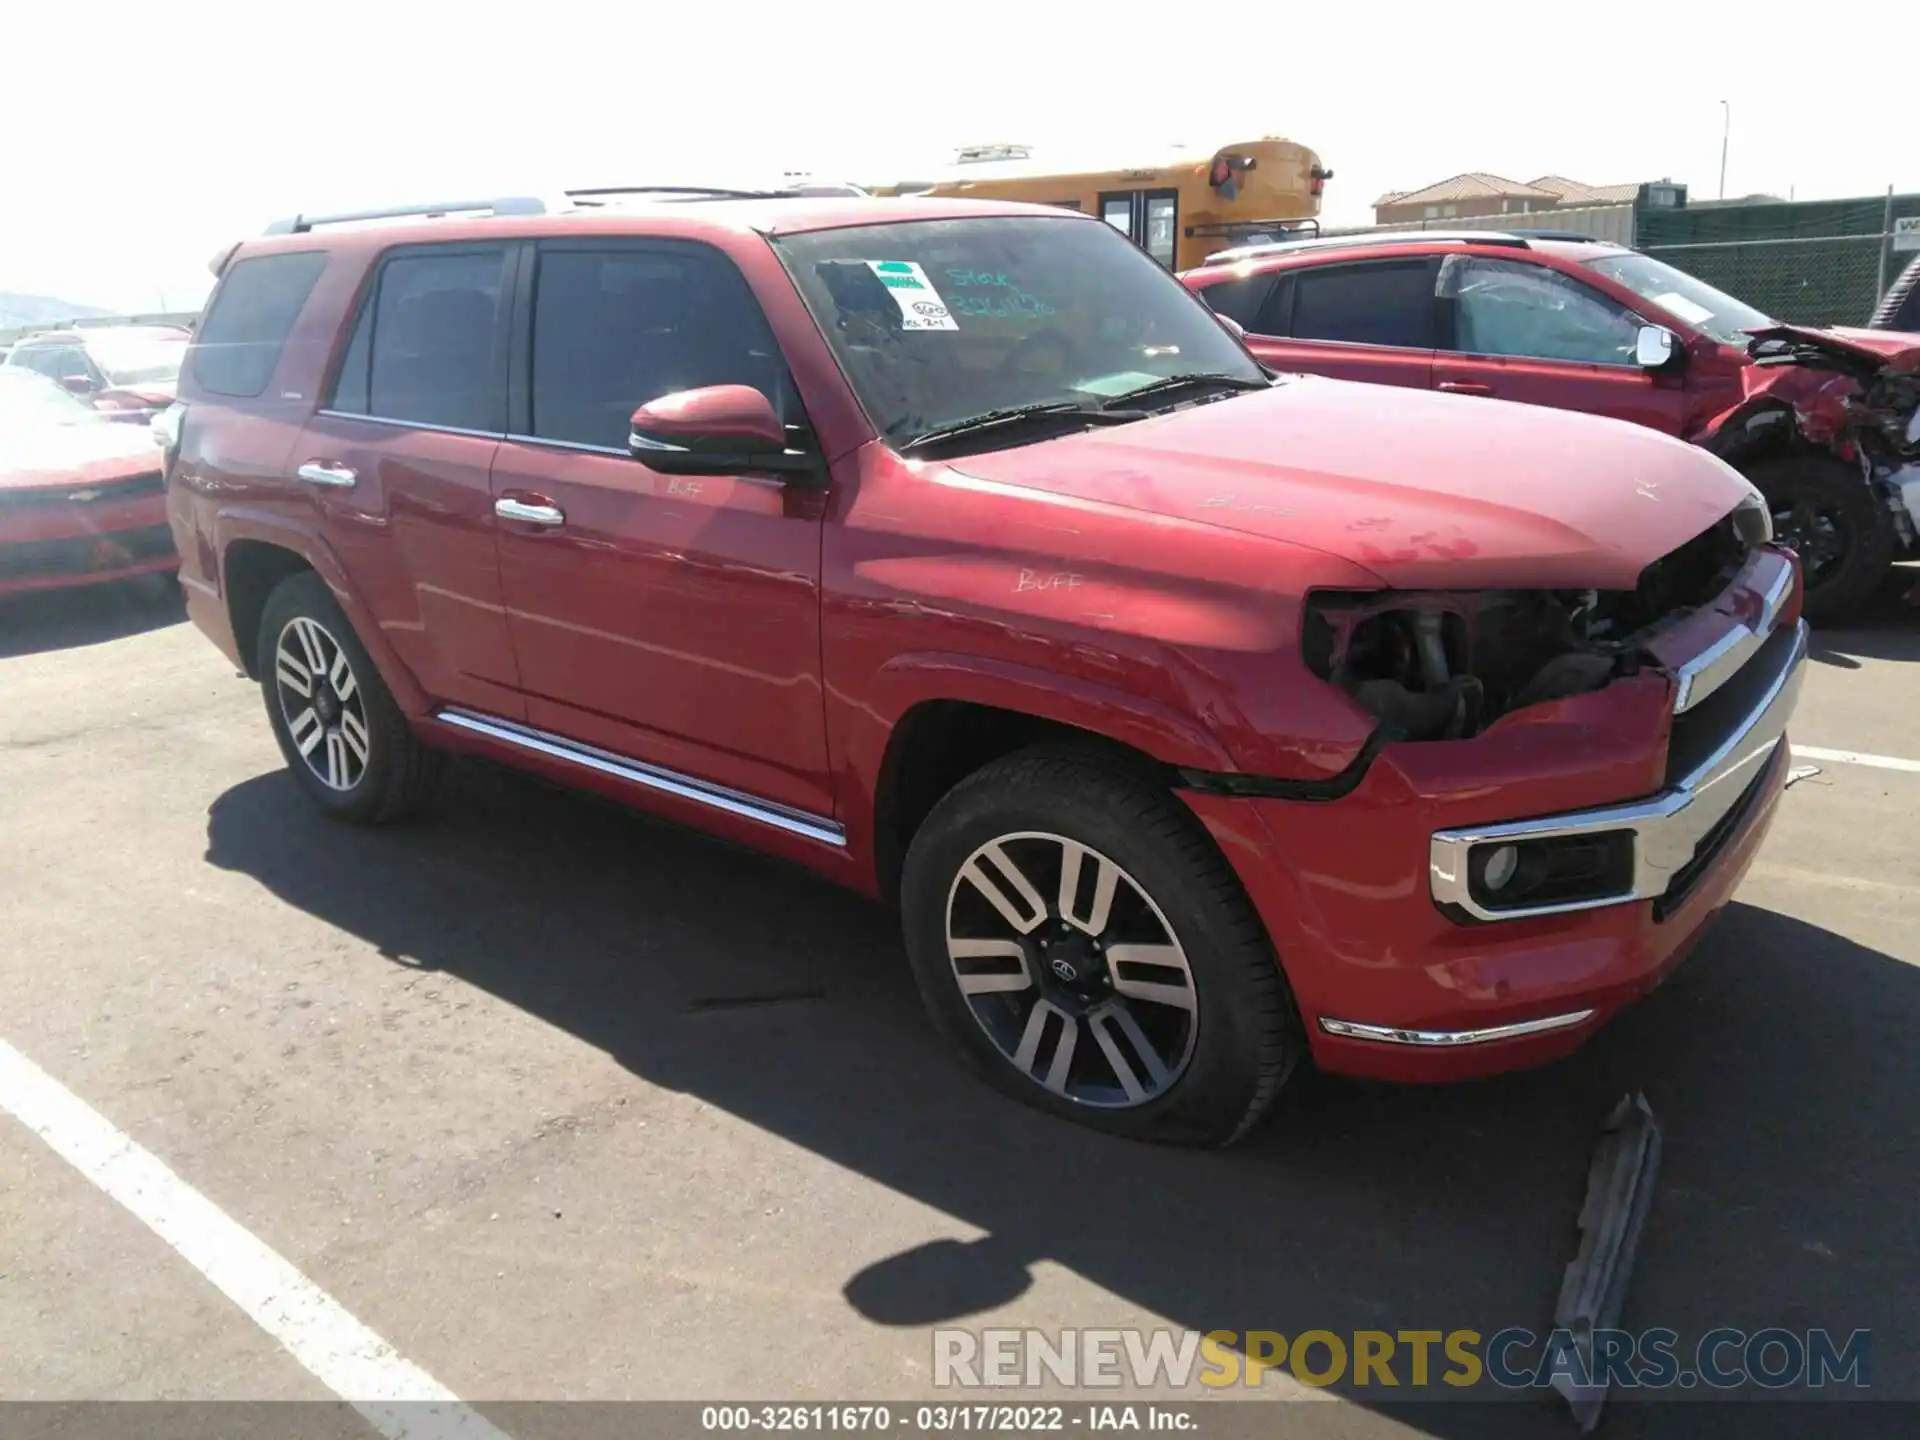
[(238, 343)]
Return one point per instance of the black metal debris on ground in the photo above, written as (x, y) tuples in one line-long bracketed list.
[(1619, 1193)]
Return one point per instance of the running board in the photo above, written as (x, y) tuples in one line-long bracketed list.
[(1619, 1194), (649, 777)]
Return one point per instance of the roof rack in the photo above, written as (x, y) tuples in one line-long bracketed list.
[(1574, 235), (1396, 237), (501, 205), (694, 192)]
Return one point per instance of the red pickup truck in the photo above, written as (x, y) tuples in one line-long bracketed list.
[(1198, 723)]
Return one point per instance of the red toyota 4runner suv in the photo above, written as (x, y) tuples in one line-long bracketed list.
[(1198, 723), (1826, 422)]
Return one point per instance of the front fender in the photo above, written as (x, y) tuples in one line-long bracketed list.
[(1150, 726)]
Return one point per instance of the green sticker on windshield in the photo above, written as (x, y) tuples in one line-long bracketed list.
[(921, 307)]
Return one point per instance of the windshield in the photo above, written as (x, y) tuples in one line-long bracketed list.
[(28, 401), (1693, 302), (139, 359), (936, 322)]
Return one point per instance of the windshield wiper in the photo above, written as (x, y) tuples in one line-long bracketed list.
[(1017, 416), (1218, 380)]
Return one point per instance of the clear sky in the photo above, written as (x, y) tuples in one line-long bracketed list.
[(144, 137)]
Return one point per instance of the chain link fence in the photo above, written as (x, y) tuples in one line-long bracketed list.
[(1812, 263)]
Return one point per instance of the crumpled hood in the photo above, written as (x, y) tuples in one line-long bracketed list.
[(1894, 349), (88, 451), (1427, 491)]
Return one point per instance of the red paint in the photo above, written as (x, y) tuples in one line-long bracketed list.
[(1144, 583), (63, 520)]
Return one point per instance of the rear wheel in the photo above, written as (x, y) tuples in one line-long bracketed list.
[(1833, 519), (1079, 940), (345, 740)]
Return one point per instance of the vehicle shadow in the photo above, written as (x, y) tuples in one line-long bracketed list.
[(67, 619), (1780, 1061), (1887, 628)]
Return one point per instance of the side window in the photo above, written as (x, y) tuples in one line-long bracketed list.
[(58, 362), (1501, 307), (613, 329), (427, 346), (1239, 299), (238, 345), (1387, 302)]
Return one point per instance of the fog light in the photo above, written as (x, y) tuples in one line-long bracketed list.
[(1560, 870), (1500, 867)]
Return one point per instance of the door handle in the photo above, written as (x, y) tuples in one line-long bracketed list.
[(1464, 387), (325, 472), (529, 513)]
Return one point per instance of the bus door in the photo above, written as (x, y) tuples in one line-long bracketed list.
[(1150, 218)]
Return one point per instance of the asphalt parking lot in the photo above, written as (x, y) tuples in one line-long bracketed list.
[(561, 1102)]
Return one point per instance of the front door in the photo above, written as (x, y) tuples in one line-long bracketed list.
[(670, 619), (1517, 331), (1150, 218)]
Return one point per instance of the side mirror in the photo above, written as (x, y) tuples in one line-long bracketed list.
[(716, 430), (1232, 326), (77, 384), (1657, 348)]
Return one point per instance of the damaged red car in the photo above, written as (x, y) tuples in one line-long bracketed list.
[(1823, 421), (1198, 724)]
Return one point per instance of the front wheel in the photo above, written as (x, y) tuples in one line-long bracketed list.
[(1835, 522), (1079, 940)]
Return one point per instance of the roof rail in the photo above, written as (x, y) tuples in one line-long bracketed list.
[(1395, 237), (1576, 235), (501, 205), (692, 192)]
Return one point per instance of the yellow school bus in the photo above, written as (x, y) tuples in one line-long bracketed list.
[(1180, 205)]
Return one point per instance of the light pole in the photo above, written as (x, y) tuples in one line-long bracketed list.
[(1726, 125)]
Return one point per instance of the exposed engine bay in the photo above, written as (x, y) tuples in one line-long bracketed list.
[(1444, 665)]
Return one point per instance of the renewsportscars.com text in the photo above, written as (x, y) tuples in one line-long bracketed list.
[(1510, 1359)]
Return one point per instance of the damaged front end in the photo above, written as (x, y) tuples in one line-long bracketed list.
[(1445, 665), (1854, 394)]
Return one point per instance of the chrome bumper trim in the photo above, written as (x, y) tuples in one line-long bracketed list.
[(651, 777), (1707, 672), (1667, 829), (1394, 1035)]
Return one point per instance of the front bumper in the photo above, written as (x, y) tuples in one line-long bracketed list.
[(1400, 975), (1674, 833), (49, 546)]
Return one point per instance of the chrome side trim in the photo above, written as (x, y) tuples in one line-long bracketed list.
[(651, 777), (1394, 1035), (1721, 661), (541, 440), (1666, 829), (411, 424)]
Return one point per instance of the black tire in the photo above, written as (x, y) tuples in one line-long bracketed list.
[(396, 774), (1245, 1036), (1847, 560)]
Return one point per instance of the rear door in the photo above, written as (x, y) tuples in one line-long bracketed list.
[(398, 462), (1514, 330), (1371, 320), (671, 619)]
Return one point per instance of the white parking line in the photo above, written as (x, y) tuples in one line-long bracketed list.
[(398, 1398), (1858, 757)]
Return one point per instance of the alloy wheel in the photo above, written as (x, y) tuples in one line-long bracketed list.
[(320, 700), (1071, 969)]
